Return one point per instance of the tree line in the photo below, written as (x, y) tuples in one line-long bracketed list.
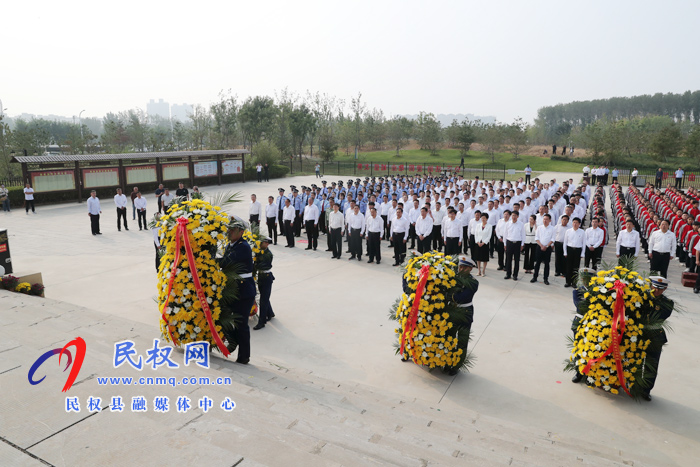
[(276, 128), (554, 123)]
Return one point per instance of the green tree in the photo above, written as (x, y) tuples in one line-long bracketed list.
[(358, 110), (114, 135), (257, 118), (429, 132), (6, 168), (667, 143), (137, 128), (32, 136), (516, 137), (346, 134), (201, 126), (464, 136), (225, 119), (300, 122), (328, 142), (691, 148), (399, 131), (492, 137), (266, 152), (179, 135)]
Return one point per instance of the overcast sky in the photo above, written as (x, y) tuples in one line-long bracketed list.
[(487, 57)]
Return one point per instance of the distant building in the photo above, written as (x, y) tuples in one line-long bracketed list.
[(160, 108), (181, 112)]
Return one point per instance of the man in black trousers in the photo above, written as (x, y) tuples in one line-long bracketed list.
[(288, 217)]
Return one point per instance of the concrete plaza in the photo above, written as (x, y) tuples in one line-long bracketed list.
[(324, 386)]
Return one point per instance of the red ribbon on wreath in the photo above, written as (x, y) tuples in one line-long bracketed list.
[(182, 233), (618, 322), (412, 319)]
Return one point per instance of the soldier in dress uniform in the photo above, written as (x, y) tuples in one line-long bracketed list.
[(238, 253), (463, 299), (265, 279), (662, 309)]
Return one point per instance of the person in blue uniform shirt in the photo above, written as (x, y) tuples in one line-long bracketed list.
[(239, 254), (265, 279), (280, 202), (298, 204)]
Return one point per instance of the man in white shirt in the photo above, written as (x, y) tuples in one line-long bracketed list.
[(254, 210), (627, 241), (356, 226), (120, 202), (288, 216), (29, 198), (679, 179), (271, 218), (499, 233), (424, 229), (336, 222), (375, 227), (165, 200), (452, 233), (594, 244), (635, 172), (94, 211), (413, 215), (574, 246), (559, 232), (438, 216), (514, 237), (140, 205), (545, 244), (662, 249), (311, 216), (399, 229)]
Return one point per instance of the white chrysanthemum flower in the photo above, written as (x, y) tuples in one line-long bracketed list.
[(595, 321), (197, 329), (590, 380), (606, 387), (603, 323), (633, 339), (209, 300), (600, 339), (213, 287), (186, 292)]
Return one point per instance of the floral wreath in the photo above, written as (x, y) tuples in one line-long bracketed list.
[(431, 327), (612, 338)]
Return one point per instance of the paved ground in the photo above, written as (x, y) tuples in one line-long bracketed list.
[(332, 321)]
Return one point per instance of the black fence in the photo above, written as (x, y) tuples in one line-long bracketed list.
[(380, 169), (690, 179), (12, 181)]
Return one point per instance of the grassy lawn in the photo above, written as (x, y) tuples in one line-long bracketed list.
[(540, 164)]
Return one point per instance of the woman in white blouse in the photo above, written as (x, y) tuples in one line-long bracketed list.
[(482, 237), (530, 244)]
